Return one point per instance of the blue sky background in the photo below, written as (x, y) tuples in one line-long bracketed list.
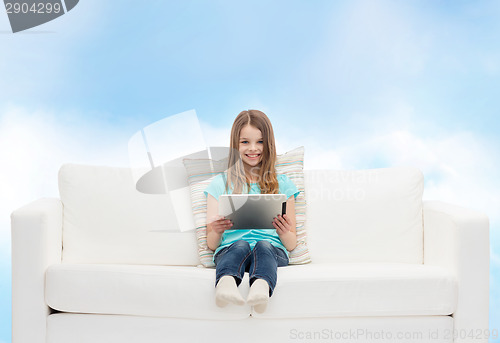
[(361, 84)]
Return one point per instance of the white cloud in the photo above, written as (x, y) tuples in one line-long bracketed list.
[(458, 167), (33, 146)]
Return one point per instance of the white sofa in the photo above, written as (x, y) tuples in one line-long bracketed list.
[(105, 263)]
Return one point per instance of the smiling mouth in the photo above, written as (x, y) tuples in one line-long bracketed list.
[(252, 155)]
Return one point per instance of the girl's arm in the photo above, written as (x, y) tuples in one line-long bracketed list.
[(285, 225), (216, 225)]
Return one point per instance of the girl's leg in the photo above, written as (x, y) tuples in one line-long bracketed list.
[(230, 266), (264, 262)]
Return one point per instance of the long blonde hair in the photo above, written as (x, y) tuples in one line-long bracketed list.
[(236, 176)]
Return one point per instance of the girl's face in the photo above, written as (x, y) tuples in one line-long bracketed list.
[(251, 145)]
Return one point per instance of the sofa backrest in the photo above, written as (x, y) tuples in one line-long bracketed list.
[(106, 220), (351, 216), (365, 215)]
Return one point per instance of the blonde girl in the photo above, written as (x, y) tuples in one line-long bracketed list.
[(251, 169)]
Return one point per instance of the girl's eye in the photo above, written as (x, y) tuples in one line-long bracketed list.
[(244, 142), (260, 142)]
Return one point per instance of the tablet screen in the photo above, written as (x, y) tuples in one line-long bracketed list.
[(252, 211)]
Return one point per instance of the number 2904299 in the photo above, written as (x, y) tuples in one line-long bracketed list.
[(35, 8)]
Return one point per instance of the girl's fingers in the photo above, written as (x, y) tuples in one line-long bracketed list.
[(216, 218), (282, 220), (278, 229), (276, 223), (279, 223), (220, 223), (226, 223)]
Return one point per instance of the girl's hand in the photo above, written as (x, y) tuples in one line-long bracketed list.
[(282, 224), (219, 224)]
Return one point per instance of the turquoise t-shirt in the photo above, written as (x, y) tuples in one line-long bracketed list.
[(218, 187)]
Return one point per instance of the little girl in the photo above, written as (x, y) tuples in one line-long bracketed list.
[(251, 169)]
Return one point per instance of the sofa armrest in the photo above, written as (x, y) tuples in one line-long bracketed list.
[(36, 244), (457, 239)]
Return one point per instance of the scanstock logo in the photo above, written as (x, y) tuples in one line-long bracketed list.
[(25, 14)]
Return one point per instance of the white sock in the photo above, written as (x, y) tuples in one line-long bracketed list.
[(258, 295), (226, 292)]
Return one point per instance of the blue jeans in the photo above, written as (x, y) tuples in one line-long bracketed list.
[(261, 263)]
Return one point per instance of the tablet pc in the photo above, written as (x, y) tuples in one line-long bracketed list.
[(252, 211)]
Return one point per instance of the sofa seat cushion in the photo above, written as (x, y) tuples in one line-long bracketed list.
[(362, 289), (156, 291), (303, 291)]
